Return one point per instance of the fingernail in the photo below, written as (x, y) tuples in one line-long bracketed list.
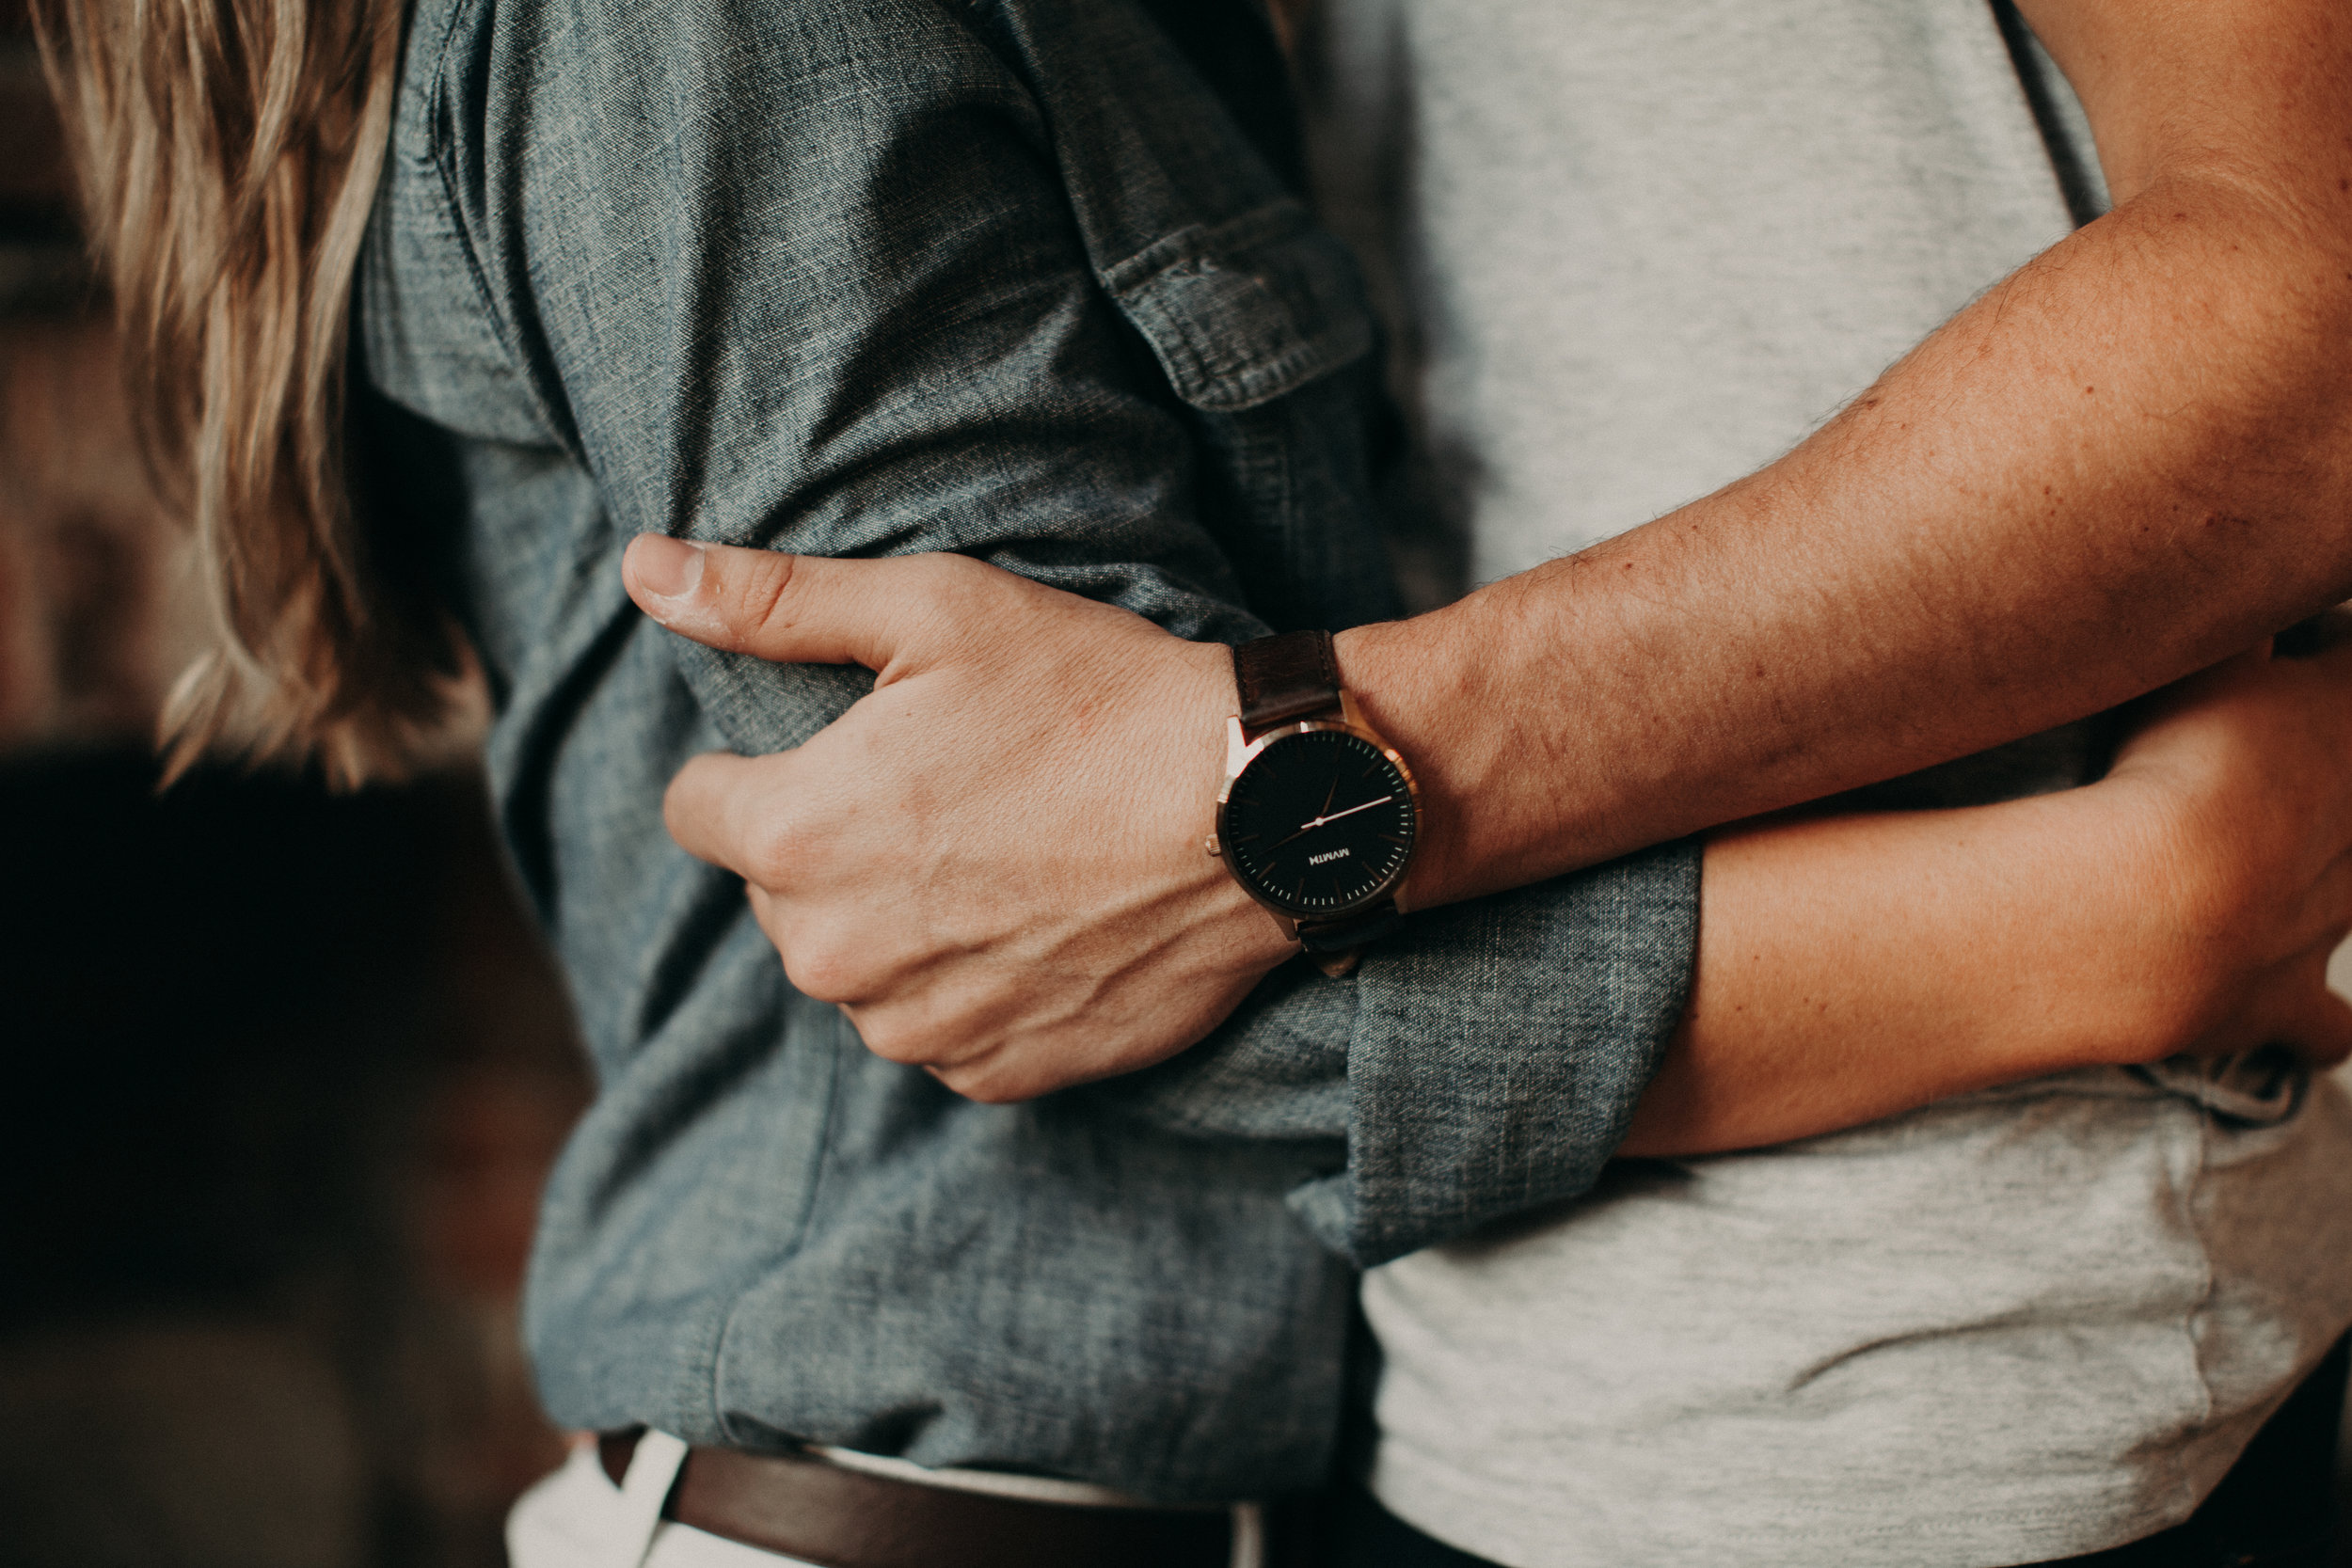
[(665, 567)]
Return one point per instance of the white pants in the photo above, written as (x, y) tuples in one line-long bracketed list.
[(577, 1518)]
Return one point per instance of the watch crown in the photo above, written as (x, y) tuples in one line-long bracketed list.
[(1210, 846)]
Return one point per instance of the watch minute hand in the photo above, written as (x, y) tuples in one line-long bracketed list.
[(1305, 828), (1353, 810)]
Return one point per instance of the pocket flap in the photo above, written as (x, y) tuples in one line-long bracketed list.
[(1246, 310)]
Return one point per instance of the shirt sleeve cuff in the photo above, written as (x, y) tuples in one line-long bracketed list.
[(1499, 1048), (1484, 1060)]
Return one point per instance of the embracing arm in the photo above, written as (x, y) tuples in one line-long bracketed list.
[(1109, 919), (2125, 462), (1852, 966), (1849, 966)]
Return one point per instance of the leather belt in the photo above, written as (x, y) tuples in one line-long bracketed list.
[(801, 1506)]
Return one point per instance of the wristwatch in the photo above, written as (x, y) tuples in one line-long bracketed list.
[(1319, 816)]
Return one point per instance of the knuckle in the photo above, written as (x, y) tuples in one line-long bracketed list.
[(760, 600), (677, 809), (833, 971), (773, 921), (955, 584), (687, 800), (948, 572), (779, 849), (893, 1043), (987, 1083)]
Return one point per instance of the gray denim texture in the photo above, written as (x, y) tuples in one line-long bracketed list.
[(863, 277)]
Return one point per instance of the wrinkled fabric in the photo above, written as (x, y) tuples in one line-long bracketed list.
[(1651, 248), (862, 279)]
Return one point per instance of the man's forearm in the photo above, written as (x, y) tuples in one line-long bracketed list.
[(2127, 461)]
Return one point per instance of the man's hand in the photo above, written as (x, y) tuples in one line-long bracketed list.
[(993, 863)]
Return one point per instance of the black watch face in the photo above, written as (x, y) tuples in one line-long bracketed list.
[(1318, 823)]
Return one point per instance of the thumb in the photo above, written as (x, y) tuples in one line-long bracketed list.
[(792, 609)]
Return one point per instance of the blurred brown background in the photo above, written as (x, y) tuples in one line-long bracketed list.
[(287, 1069)]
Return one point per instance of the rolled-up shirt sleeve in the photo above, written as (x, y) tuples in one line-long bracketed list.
[(1484, 1060)]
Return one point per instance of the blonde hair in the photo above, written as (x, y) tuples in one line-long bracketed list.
[(229, 154)]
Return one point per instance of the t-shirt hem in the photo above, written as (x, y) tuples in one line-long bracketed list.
[(1506, 1526)]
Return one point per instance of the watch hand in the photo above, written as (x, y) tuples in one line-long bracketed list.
[(1330, 796), (1351, 811), (1309, 826)]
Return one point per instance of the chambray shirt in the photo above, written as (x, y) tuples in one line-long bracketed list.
[(1010, 278)]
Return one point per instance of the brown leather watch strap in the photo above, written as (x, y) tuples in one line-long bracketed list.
[(1351, 931), (1285, 677), (803, 1507), (1335, 945)]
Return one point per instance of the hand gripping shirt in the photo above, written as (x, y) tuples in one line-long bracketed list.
[(1011, 278)]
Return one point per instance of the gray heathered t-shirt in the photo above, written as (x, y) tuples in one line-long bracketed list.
[(1637, 250)]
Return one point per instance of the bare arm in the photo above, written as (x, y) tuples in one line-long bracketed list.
[(2128, 459), (1854, 966), (1849, 966)]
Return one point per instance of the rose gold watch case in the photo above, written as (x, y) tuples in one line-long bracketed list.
[(1240, 751)]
